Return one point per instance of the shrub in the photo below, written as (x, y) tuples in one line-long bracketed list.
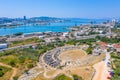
[(30, 66), (1, 73), (75, 77), (12, 63), (15, 78)]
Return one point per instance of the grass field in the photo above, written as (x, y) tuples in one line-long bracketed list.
[(5, 73)]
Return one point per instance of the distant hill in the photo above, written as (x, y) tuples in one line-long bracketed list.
[(46, 18)]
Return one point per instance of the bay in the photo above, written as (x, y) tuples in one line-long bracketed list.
[(54, 27)]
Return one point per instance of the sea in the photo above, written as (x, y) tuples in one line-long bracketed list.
[(53, 27)]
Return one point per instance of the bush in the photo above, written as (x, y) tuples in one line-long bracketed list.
[(15, 78), (12, 63), (1, 73), (75, 77), (21, 59), (89, 50), (26, 71), (30, 66)]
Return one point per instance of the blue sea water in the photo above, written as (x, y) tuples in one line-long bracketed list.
[(54, 27)]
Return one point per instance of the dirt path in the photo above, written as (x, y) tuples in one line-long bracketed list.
[(102, 69), (99, 70), (14, 70)]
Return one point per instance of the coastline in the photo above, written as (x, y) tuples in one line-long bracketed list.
[(53, 27)]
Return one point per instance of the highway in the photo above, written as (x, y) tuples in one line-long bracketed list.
[(16, 47), (21, 46)]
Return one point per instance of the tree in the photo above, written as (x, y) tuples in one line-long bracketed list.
[(26, 71), (18, 34), (59, 43), (21, 59), (30, 66), (1, 73), (12, 63), (39, 46), (15, 78), (76, 77), (89, 50), (98, 37)]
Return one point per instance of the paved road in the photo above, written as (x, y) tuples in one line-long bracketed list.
[(80, 38), (22, 46), (102, 69), (16, 47)]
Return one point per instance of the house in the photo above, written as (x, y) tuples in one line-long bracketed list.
[(103, 45), (34, 46), (62, 38), (117, 47), (41, 36), (65, 34), (50, 39)]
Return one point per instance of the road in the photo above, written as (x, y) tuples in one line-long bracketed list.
[(22, 46), (16, 47), (102, 68), (79, 38)]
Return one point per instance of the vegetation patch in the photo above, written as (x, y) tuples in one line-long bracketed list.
[(116, 62), (76, 77), (3, 70), (23, 42), (62, 77)]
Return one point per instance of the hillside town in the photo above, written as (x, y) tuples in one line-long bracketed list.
[(12, 22)]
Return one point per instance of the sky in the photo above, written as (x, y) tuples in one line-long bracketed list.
[(60, 8)]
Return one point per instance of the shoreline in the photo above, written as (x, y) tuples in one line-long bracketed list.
[(34, 33)]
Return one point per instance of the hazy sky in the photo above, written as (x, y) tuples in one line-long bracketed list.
[(60, 8)]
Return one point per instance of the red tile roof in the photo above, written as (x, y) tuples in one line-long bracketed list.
[(116, 45), (103, 44), (35, 45)]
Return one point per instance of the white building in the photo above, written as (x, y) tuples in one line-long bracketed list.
[(3, 46), (65, 34)]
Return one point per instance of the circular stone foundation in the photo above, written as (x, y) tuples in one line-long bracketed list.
[(72, 55), (60, 56)]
